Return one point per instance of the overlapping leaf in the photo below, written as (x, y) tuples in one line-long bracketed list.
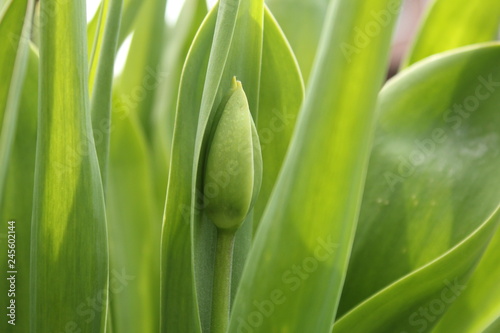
[(17, 102), (237, 54), (18, 197), (479, 306), (454, 23), (295, 270), (431, 185), (69, 264), (301, 21)]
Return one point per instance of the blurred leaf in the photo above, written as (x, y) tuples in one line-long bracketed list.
[(494, 327), (92, 30), (416, 301), (479, 305), (102, 63), (432, 182), (131, 10), (280, 98), (134, 226), (18, 198), (453, 23), (301, 21), (17, 100), (180, 38), (69, 236), (295, 270), (133, 208), (141, 75), (15, 26)]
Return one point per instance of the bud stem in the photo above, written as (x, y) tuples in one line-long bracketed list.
[(221, 297)]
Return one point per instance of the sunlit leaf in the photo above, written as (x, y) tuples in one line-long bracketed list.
[(69, 234), (297, 263), (431, 186), (18, 198), (453, 23)]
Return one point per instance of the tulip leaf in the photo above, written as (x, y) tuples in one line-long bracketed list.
[(15, 26), (101, 77), (18, 197), (134, 226), (18, 92), (141, 74), (432, 190), (179, 38), (296, 267), (301, 21), (69, 235), (454, 23), (479, 305)]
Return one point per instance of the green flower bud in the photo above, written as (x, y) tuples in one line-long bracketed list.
[(233, 164)]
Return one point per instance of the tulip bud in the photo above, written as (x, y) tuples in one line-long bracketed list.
[(234, 149)]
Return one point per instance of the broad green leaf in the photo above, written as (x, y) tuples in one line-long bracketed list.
[(15, 26), (131, 10), (415, 302), (449, 24), (18, 197), (297, 263), (134, 228), (431, 185), (101, 78), (493, 327), (16, 180), (180, 38), (281, 93), (141, 75), (69, 235), (301, 21), (135, 223), (479, 305), (179, 309), (280, 98), (93, 32)]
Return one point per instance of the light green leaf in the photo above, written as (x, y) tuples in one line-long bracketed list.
[(431, 185), (69, 235), (18, 198), (416, 302), (296, 267), (179, 38), (479, 305), (134, 227), (280, 98), (141, 75), (449, 24), (17, 100), (131, 10), (494, 327), (15, 26), (133, 208), (101, 78), (301, 21)]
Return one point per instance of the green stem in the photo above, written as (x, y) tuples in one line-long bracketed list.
[(221, 297)]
